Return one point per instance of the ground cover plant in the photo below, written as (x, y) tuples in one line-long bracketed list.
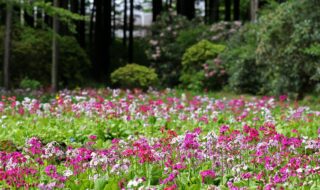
[(116, 139)]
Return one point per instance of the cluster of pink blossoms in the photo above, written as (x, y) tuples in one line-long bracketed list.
[(191, 142)]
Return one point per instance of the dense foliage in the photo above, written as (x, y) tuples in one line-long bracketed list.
[(30, 84), (245, 75), (284, 34), (113, 139), (31, 57), (193, 64), (278, 54), (134, 76), (165, 52), (172, 35)]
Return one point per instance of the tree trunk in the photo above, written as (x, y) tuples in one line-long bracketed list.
[(227, 10), (91, 30), (125, 23), (76, 7), (105, 47), (186, 8), (102, 40), (63, 28), (254, 10), (236, 9), (214, 11), (7, 45), (206, 11), (22, 12), (114, 16), (2, 14), (156, 9), (97, 36), (179, 6), (131, 28), (82, 25), (55, 51)]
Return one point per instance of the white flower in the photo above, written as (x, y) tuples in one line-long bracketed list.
[(67, 173)]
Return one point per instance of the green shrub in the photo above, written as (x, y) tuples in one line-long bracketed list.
[(27, 83), (193, 60), (31, 57), (283, 38), (245, 76), (134, 76)]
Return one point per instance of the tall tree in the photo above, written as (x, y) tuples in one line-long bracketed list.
[(213, 6), (186, 8), (254, 6), (178, 6), (21, 12), (75, 9), (102, 39), (63, 28), (227, 11), (131, 29), (82, 25), (206, 11), (7, 44), (114, 17), (125, 22), (156, 9), (91, 30), (78, 6), (236, 9), (55, 51)]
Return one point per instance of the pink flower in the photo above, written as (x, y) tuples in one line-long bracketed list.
[(170, 178), (51, 171), (93, 137), (207, 174), (283, 98), (246, 175), (173, 187), (224, 128)]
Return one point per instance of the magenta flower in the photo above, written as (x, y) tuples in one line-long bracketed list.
[(207, 174), (51, 171), (93, 137), (170, 178), (247, 175), (223, 129)]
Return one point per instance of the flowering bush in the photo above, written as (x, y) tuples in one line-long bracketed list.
[(194, 69), (171, 35), (164, 52)]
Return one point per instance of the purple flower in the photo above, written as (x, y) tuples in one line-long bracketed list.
[(224, 128), (51, 170), (170, 178)]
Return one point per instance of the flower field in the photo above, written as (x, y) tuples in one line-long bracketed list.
[(113, 139)]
